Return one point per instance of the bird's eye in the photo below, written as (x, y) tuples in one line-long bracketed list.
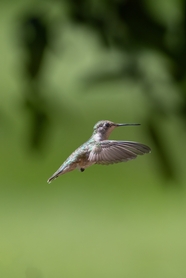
[(107, 124)]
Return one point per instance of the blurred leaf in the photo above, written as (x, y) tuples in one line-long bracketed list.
[(164, 161), (35, 40)]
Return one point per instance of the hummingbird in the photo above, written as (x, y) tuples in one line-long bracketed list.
[(99, 150)]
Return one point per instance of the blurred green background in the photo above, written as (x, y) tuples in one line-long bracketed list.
[(64, 66)]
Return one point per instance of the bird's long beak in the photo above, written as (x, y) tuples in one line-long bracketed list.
[(126, 124)]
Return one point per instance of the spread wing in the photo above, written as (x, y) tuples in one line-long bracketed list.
[(110, 151)]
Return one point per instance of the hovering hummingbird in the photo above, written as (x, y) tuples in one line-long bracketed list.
[(99, 150)]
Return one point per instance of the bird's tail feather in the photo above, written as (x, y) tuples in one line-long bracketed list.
[(51, 179), (55, 176)]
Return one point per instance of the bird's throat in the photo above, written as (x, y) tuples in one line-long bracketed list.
[(99, 137)]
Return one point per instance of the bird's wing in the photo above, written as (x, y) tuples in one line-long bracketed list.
[(110, 151)]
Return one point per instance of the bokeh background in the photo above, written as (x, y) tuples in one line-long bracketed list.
[(64, 66)]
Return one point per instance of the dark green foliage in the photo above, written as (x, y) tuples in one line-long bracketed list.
[(127, 26)]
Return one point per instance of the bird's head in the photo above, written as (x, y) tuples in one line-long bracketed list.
[(103, 129)]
